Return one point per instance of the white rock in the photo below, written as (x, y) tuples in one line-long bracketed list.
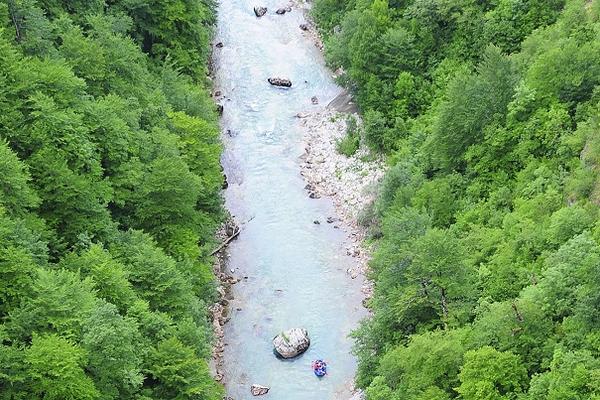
[(292, 342), (259, 390)]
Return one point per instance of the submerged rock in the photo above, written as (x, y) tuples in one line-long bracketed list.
[(281, 11), (259, 390), (280, 82), (260, 11), (291, 343), (314, 100)]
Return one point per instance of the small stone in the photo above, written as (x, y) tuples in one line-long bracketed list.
[(314, 195), (282, 82), (281, 11), (316, 222), (258, 390), (304, 27), (330, 220), (219, 45), (218, 93), (231, 228), (225, 184), (314, 100), (260, 11)]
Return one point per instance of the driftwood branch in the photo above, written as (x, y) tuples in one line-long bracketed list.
[(226, 242), (235, 234)]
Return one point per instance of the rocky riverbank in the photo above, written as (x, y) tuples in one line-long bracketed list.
[(309, 27), (220, 311), (350, 182)]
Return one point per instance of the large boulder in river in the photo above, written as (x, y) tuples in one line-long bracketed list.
[(280, 82), (291, 343), (260, 11)]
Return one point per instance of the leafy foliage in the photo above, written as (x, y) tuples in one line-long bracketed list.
[(486, 266), (109, 197)]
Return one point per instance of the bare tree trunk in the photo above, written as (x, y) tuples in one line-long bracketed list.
[(13, 16), (517, 313), (444, 307)]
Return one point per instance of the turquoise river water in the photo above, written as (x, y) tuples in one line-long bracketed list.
[(295, 269)]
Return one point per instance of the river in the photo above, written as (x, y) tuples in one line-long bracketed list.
[(295, 269)]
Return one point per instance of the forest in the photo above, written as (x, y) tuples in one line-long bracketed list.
[(109, 199), (486, 229)]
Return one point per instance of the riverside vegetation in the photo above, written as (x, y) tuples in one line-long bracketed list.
[(487, 268), (109, 199)]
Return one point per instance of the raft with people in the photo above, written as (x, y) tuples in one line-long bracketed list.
[(319, 368)]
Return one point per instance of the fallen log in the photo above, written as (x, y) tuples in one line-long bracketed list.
[(226, 241)]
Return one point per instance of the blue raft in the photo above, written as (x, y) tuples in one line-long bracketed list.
[(319, 368)]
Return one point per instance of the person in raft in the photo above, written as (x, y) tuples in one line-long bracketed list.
[(319, 368)]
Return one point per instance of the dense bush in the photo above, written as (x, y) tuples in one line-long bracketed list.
[(109, 197), (350, 143)]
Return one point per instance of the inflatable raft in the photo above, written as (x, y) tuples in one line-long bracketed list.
[(319, 368)]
